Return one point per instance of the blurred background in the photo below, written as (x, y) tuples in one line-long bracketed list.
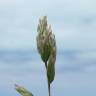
[(74, 24)]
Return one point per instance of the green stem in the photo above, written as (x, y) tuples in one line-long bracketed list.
[(47, 80), (49, 89)]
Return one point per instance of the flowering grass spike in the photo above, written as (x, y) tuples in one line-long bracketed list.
[(46, 45)]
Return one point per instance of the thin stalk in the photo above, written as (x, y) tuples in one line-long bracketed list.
[(49, 89), (47, 80)]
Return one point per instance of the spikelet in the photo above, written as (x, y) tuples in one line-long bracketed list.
[(46, 45)]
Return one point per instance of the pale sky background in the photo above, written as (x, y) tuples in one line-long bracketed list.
[(73, 22)]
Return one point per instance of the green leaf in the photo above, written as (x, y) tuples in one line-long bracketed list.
[(23, 91)]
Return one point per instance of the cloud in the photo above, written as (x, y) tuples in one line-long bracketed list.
[(76, 61), (72, 24)]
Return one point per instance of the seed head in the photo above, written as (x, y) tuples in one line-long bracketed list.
[(46, 45)]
